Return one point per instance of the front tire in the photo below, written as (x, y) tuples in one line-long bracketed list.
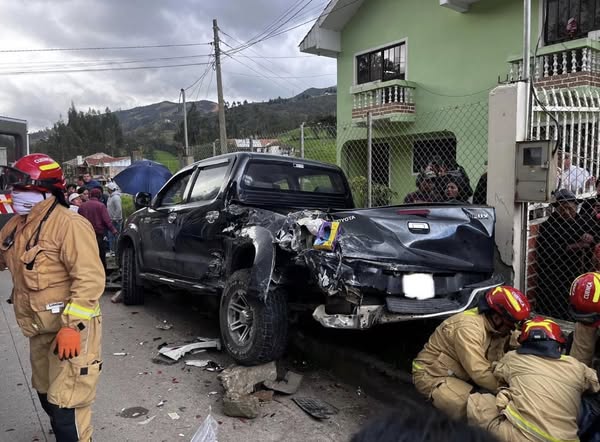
[(253, 331), (133, 294)]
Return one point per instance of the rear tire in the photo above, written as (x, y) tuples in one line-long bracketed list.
[(253, 331), (133, 294)]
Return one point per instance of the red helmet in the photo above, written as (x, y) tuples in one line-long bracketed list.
[(508, 302), (541, 329), (585, 298), (33, 172)]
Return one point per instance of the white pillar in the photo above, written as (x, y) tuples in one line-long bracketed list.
[(507, 117)]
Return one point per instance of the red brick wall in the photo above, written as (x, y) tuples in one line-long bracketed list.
[(385, 109), (570, 80), (532, 238)]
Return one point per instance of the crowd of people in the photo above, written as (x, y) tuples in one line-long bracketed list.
[(103, 210)]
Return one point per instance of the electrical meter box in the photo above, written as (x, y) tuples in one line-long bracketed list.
[(536, 171)]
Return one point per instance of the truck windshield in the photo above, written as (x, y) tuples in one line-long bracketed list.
[(292, 177)]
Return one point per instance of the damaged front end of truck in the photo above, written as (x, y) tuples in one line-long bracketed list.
[(373, 266)]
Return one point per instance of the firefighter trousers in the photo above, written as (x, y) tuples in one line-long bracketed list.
[(67, 388), (448, 394), (483, 412)]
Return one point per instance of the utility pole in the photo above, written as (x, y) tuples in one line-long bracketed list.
[(222, 128), (527, 59), (185, 131)]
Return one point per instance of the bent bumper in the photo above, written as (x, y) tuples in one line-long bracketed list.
[(367, 316)]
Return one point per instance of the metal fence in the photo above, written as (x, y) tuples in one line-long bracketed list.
[(563, 239), (430, 156)]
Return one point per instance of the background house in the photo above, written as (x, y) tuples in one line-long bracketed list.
[(100, 165), (424, 70)]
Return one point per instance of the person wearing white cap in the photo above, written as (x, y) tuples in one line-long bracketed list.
[(74, 202), (115, 212)]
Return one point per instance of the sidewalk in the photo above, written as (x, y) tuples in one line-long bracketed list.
[(21, 417)]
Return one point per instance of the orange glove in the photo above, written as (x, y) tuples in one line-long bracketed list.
[(68, 343)]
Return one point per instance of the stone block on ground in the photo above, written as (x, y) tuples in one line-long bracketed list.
[(240, 381), (241, 406)]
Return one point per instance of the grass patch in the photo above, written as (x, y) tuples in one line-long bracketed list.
[(167, 159)]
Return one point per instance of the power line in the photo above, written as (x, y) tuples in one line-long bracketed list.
[(276, 22), (101, 61), (259, 64), (283, 78), (180, 45), (248, 44), (68, 71), (255, 71)]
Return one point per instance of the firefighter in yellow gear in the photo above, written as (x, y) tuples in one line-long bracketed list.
[(58, 279), (543, 397), (459, 354), (585, 310)]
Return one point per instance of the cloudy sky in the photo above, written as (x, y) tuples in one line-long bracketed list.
[(41, 98)]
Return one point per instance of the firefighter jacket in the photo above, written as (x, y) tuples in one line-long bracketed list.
[(584, 343), (463, 346), (544, 394), (57, 275)]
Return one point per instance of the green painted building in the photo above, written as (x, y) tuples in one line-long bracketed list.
[(424, 70)]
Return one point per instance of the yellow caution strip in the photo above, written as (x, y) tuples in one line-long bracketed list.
[(518, 420), (81, 312)]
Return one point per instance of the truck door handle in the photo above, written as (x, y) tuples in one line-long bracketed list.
[(212, 216), (172, 217)]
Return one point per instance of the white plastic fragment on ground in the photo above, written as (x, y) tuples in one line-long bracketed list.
[(161, 403), (173, 416), (207, 432), (120, 354), (197, 363), (164, 326), (147, 421), (175, 352)]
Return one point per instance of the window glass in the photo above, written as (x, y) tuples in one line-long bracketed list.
[(175, 193), (583, 14), (292, 177), (383, 64), (362, 65), (208, 183)]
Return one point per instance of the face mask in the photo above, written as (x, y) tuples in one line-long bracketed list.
[(24, 200)]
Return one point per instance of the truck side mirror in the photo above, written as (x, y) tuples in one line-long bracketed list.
[(141, 200)]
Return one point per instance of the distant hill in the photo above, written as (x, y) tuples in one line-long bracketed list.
[(161, 114), (158, 126)]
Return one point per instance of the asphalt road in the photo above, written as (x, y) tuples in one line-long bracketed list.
[(134, 381)]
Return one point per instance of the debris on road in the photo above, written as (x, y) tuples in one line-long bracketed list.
[(288, 385), (239, 383), (133, 412), (160, 359), (120, 354), (242, 380), (175, 352), (207, 432), (264, 395), (174, 416), (241, 406), (197, 363), (165, 326), (161, 403), (213, 366), (212, 393), (117, 297), (315, 407), (147, 421)]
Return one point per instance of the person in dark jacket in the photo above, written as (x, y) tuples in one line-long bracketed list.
[(426, 193), (97, 214), (561, 249), (457, 189)]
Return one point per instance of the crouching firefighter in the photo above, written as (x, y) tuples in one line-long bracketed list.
[(459, 354), (585, 310), (58, 279), (543, 397)]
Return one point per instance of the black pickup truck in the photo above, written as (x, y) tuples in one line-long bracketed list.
[(266, 233)]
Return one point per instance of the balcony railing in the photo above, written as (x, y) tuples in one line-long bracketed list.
[(579, 59), (392, 99)]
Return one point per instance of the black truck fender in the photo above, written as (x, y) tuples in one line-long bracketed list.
[(264, 260)]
